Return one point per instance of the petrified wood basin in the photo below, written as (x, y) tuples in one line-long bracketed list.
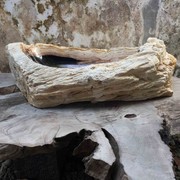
[(91, 74)]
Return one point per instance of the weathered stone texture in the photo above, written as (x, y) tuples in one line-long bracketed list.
[(89, 23), (143, 75), (168, 26)]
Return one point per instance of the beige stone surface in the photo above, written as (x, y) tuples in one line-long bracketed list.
[(89, 23), (142, 75)]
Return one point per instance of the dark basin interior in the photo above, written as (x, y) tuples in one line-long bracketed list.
[(57, 61)]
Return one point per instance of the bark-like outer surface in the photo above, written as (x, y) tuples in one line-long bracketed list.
[(142, 75)]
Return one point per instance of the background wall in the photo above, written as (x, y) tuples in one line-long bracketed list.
[(89, 23)]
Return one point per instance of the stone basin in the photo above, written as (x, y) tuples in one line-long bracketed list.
[(50, 75)]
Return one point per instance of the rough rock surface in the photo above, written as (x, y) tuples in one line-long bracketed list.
[(143, 75), (89, 23)]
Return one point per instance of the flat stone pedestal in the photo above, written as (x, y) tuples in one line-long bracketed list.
[(113, 139)]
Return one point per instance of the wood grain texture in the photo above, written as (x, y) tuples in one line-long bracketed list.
[(143, 75), (134, 125)]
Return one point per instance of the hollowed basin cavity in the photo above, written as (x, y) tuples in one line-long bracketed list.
[(58, 61), (69, 57)]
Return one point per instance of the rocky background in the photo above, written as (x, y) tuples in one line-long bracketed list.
[(89, 23)]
